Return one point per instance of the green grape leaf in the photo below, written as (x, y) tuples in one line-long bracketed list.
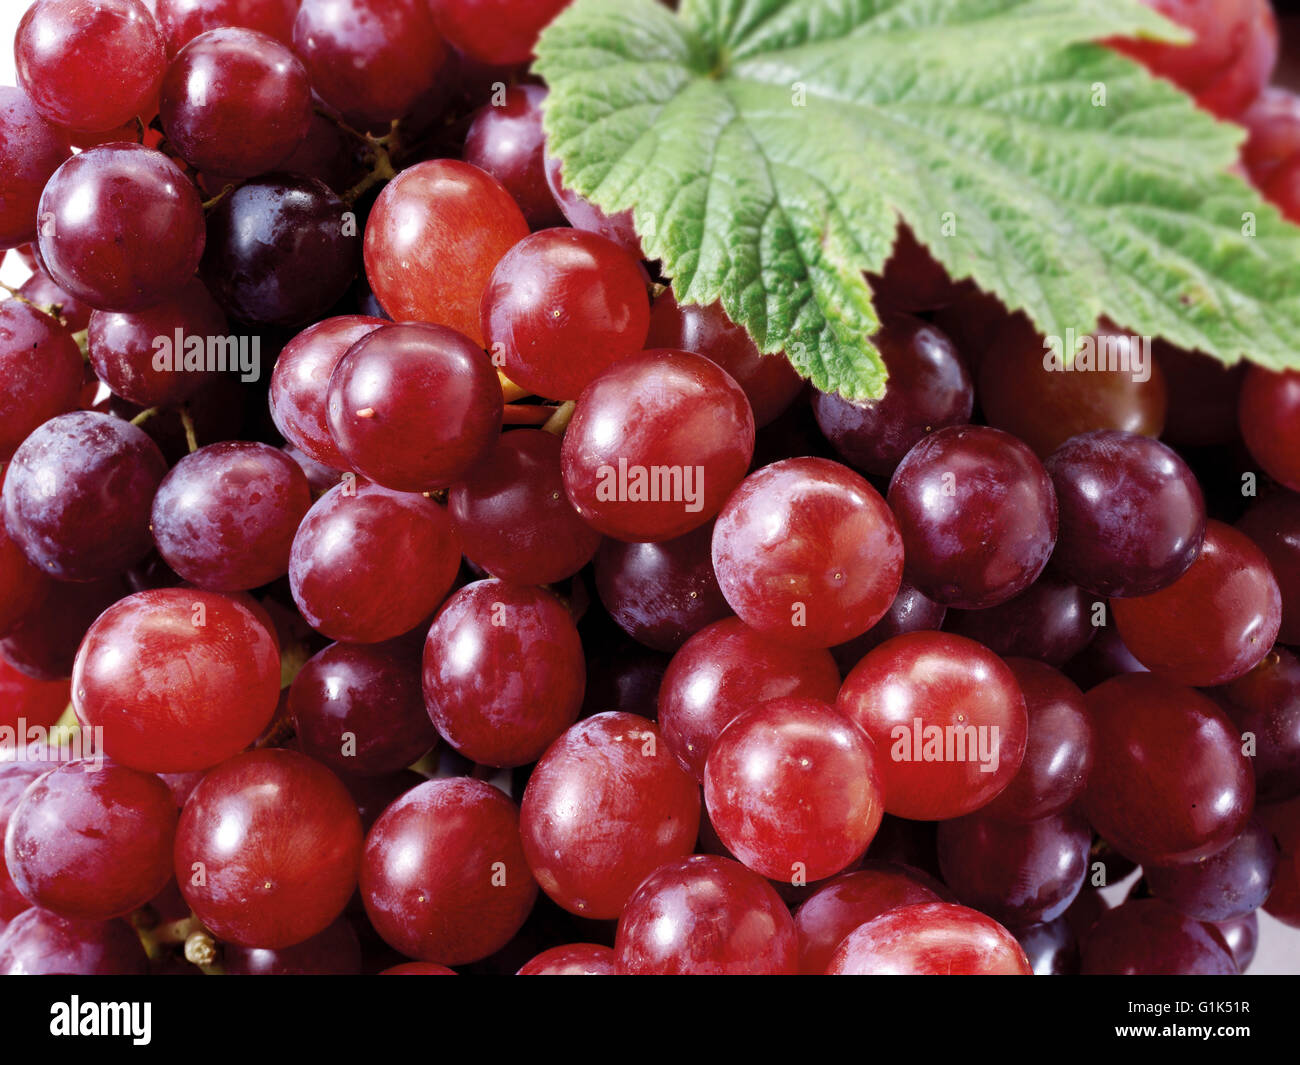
[(768, 149)]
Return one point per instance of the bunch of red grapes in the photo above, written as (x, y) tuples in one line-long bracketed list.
[(520, 619)]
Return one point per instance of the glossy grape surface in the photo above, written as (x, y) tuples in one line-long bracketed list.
[(1148, 937), (333, 952), (572, 959), (1215, 622), (414, 406), (605, 807), (178, 678), (930, 938), (443, 875), (40, 368), (1225, 886), (806, 551), (1269, 415), (30, 151), (504, 672), (1266, 703), (40, 943), (506, 140), (1050, 621), (1169, 782), (183, 20), (794, 790), (500, 32), (704, 915), (268, 849), (947, 718)]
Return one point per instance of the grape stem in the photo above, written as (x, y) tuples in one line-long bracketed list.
[(382, 170), (209, 204), (144, 416), (187, 422), (524, 414), (559, 421)]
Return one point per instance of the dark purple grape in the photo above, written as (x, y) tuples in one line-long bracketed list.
[(30, 151), (507, 141), (1265, 704), (1226, 885), (1148, 937), (333, 952), (40, 372), (1050, 621), (40, 943), (911, 611), (281, 250)]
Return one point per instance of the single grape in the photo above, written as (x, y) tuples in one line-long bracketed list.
[(947, 718), (443, 875), (124, 347), (235, 102), (1269, 410), (806, 551), (852, 899), (432, 240), (583, 214), (91, 841), (121, 227), (333, 952), (45, 293), (507, 141), (225, 517), (661, 593), (370, 60), (301, 378), (606, 806), (503, 672), (709, 916), (40, 373), (911, 611), (268, 849), (561, 306), (794, 790), (1019, 874), (500, 32), (368, 564), (89, 65), (44, 643), (1230, 58), (1215, 622), (358, 708), (1050, 621), (182, 20), (721, 672), (977, 515), (1052, 948), (513, 516), (414, 406), (40, 943), (30, 151), (1024, 391), (1169, 783), (1265, 703), (1225, 886), (930, 938), (1148, 937), (1240, 936), (1058, 749), (25, 699), (928, 389), (418, 968), (656, 444), (178, 679), (1273, 132), (77, 495), (1274, 524), (572, 959), (281, 249)]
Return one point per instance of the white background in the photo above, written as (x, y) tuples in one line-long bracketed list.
[(1279, 950)]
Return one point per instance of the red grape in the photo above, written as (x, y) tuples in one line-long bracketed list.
[(806, 551), (77, 495), (268, 849), (1203, 396), (444, 876), (505, 139), (1269, 414), (721, 672), (561, 306), (30, 151), (44, 643), (500, 32), (368, 564), (657, 443), (794, 790), (39, 943), (1050, 621), (706, 916), (43, 291), (513, 516), (1273, 126), (333, 952), (604, 808), (572, 959), (977, 515), (178, 678), (1225, 886), (357, 708), (235, 102), (91, 841), (414, 406), (1266, 704), (370, 60), (947, 718), (912, 279), (40, 373), (121, 227), (930, 939), (90, 65), (1215, 622), (503, 672), (301, 380), (433, 238), (911, 611), (183, 20), (1169, 782), (26, 699), (1274, 524), (1148, 937)]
